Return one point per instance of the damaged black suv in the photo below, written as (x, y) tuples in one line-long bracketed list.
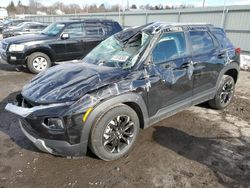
[(131, 80)]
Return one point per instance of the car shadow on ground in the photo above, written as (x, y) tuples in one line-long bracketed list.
[(12, 68), (220, 155)]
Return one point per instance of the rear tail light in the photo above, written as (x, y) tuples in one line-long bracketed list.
[(237, 50)]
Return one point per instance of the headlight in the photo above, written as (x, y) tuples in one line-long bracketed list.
[(16, 48), (53, 123)]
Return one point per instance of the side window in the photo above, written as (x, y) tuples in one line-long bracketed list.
[(42, 26), (74, 30), (222, 38), (33, 26), (93, 30), (26, 26), (170, 46), (201, 41)]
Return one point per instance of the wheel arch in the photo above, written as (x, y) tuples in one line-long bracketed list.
[(131, 99), (233, 73), (231, 69), (138, 111), (46, 51)]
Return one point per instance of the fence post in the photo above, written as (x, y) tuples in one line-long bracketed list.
[(224, 17), (179, 16), (123, 19), (146, 18)]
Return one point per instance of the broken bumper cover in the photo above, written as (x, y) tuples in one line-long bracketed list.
[(55, 147), (24, 112), (40, 144), (41, 137)]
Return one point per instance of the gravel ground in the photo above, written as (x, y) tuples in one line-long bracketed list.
[(198, 147)]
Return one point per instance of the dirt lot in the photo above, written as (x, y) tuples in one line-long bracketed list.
[(198, 147)]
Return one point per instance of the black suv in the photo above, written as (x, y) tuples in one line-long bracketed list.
[(60, 41), (130, 81)]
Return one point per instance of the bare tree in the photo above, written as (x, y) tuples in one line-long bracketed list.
[(133, 6)]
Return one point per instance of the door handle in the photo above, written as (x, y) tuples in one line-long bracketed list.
[(167, 66), (188, 64)]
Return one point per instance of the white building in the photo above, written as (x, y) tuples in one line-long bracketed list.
[(3, 13)]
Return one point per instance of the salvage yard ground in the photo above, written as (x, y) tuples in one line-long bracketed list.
[(198, 147)]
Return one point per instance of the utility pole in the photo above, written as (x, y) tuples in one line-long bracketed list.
[(203, 4)]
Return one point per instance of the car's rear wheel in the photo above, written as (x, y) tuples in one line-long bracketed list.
[(224, 93), (114, 133), (38, 62)]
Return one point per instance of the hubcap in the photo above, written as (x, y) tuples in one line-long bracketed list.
[(118, 134), (40, 63), (227, 92)]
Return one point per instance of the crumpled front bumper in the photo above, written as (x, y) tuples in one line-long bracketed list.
[(24, 112), (39, 143), (55, 147)]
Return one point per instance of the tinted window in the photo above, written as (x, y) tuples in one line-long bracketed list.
[(34, 27), (201, 41), (93, 30), (112, 27), (74, 30), (170, 46), (222, 38), (42, 26), (53, 29)]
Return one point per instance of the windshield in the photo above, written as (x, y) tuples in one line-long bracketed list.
[(114, 53), (53, 29), (6, 21), (21, 24)]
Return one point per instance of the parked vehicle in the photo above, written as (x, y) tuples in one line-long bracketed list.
[(11, 23), (60, 41), (24, 28), (130, 81), (1, 26)]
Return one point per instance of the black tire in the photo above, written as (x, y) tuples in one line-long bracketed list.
[(103, 130), (39, 68), (224, 93)]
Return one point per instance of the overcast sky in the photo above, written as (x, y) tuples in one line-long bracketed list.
[(138, 2)]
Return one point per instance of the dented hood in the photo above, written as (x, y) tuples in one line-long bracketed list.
[(69, 82)]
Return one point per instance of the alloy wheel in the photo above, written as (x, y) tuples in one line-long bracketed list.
[(227, 92), (118, 134)]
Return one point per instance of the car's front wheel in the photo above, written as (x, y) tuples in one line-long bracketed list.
[(224, 93), (114, 132), (38, 62)]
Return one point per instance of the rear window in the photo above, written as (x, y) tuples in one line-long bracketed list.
[(201, 41), (112, 27), (93, 30), (220, 34)]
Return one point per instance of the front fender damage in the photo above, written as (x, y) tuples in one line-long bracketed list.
[(135, 82)]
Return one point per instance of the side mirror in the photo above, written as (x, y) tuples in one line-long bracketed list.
[(65, 36)]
